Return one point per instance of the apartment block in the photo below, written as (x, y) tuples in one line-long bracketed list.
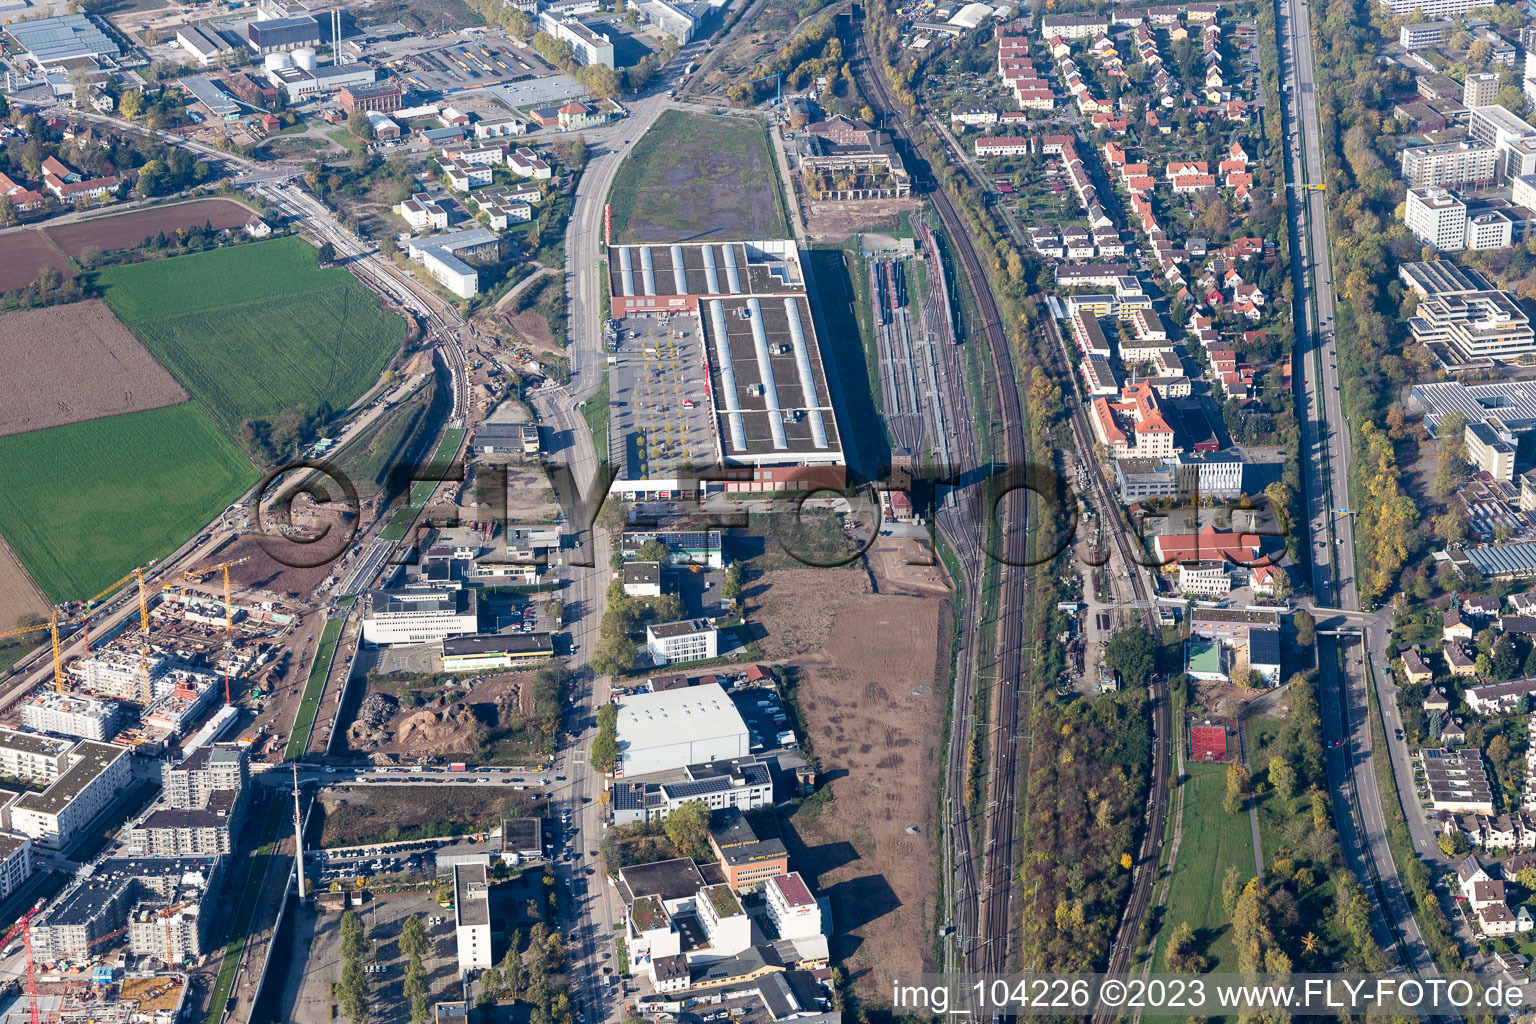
[(1437, 217), (1450, 165), (56, 816)]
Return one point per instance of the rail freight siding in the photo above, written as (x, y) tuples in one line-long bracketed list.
[(882, 294)]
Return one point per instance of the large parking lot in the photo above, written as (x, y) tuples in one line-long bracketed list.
[(462, 62), (657, 395), (307, 991)]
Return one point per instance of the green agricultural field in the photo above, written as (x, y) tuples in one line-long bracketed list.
[(1212, 841), (83, 504), (254, 330), (698, 176)]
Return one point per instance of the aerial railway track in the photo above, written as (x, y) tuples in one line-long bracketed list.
[(985, 929)]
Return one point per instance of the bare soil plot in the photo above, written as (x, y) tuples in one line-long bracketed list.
[(832, 222), (67, 364), (20, 600), (871, 692), (411, 720), (907, 565), (269, 567), (27, 252), (128, 230), (354, 815)]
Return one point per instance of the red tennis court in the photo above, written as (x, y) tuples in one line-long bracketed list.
[(1208, 743)]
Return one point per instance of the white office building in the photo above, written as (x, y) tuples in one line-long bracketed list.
[(1437, 217), (1523, 191), (1497, 127), (686, 640), (418, 616), (1205, 577), (1479, 89), (471, 917), (1425, 33), (1431, 8), (1450, 164), (725, 921), (672, 729), (1489, 229), (791, 907), (445, 257), (673, 19), (589, 45), (1478, 325)]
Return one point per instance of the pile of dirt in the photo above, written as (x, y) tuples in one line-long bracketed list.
[(372, 715), (429, 731)]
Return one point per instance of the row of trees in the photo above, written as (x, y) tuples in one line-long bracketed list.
[(1280, 924), (415, 945), (352, 990), (1367, 242)]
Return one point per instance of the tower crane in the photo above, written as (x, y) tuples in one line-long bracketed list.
[(146, 690), (24, 926), (777, 78), (194, 575)]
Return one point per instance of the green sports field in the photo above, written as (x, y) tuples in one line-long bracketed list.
[(84, 504), (253, 330), (1212, 841)]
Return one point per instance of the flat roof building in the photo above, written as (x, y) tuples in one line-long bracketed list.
[(266, 35), (1450, 165), (1440, 277), (1486, 325), (587, 44), (1436, 217), (68, 714), (744, 784), (746, 860), (419, 616), (447, 257), (132, 894), (472, 918), (685, 640), (33, 759), (301, 83), (67, 37), (1455, 781), (699, 547), (663, 731), (767, 383), (496, 651), (214, 768), (97, 772)]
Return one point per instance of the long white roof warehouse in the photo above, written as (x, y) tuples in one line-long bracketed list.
[(664, 731), (767, 382)]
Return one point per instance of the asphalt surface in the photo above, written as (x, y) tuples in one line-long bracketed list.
[(1357, 802)]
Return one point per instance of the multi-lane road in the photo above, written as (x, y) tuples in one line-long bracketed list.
[(1325, 442)]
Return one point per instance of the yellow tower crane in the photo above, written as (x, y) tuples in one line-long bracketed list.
[(198, 574), (143, 604), (58, 662), (146, 690)]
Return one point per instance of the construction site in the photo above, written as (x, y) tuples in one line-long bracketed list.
[(100, 997), (152, 677)]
